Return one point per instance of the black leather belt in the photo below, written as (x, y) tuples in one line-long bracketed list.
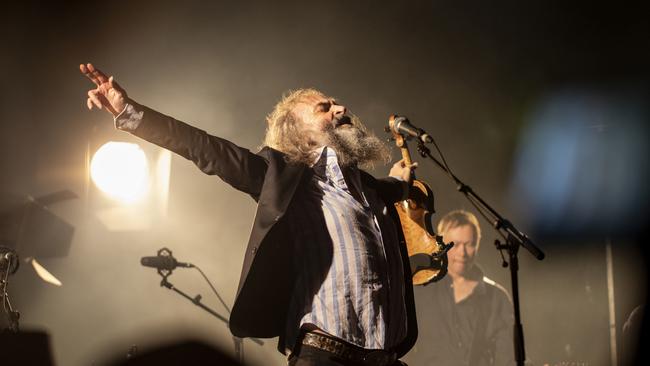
[(349, 352)]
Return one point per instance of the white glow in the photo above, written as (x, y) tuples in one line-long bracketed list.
[(163, 174), (44, 274), (120, 170)]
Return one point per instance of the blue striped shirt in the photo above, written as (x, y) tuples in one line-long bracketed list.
[(349, 270)]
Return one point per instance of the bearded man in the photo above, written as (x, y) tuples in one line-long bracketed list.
[(326, 268)]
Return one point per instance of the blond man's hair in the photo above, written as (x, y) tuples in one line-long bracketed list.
[(283, 131), (460, 218)]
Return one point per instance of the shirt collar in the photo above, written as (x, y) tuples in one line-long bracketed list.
[(326, 166), (319, 154), (480, 288)]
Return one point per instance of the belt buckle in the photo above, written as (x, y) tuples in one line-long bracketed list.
[(379, 358)]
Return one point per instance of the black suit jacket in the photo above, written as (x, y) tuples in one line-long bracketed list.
[(266, 282)]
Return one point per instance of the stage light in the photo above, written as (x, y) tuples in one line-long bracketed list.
[(120, 170)]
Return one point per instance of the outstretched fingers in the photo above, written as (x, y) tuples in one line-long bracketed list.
[(94, 74), (93, 98), (113, 84), (402, 163), (84, 70), (97, 73)]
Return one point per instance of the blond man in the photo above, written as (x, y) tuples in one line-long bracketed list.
[(465, 318)]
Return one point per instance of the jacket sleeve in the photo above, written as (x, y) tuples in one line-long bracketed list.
[(392, 189), (235, 165)]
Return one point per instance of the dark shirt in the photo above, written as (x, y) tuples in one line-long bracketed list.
[(477, 331)]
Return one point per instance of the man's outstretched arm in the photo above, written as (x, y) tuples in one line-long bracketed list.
[(237, 166)]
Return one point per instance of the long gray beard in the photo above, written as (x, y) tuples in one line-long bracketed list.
[(356, 146)]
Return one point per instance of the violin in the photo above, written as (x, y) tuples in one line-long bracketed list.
[(427, 251)]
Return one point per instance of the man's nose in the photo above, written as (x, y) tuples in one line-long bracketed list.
[(462, 249), (338, 110)]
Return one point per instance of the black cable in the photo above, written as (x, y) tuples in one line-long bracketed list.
[(442, 157), (213, 289), (491, 219)]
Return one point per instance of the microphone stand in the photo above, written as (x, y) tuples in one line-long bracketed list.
[(513, 240), (239, 346), (10, 322)]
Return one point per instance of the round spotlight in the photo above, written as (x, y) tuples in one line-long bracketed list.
[(120, 170)]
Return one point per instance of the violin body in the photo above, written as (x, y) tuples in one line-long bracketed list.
[(427, 252)]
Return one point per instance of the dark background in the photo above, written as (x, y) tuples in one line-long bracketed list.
[(470, 73)]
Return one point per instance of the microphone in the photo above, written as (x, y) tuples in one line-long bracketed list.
[(164, 262), (402, 126), (8, 260)]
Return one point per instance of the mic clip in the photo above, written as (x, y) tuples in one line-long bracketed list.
[(164, 272), (400, 125), (8, 260)]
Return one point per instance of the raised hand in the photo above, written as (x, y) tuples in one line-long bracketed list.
[(108, 94), (402, 171)]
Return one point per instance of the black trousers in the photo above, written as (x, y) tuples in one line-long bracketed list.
[(310, 356)]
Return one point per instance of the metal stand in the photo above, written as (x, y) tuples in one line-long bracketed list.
[(196, 300), (513, 240), (8, 265)]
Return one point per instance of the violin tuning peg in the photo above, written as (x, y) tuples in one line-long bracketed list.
[(386, 129)]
